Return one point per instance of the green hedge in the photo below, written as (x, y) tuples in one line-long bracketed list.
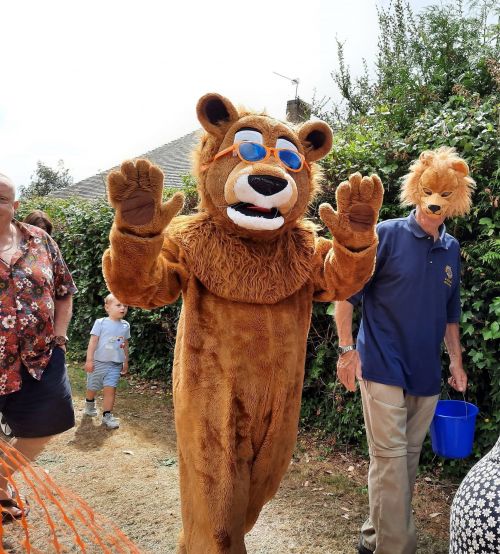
[(436, 82), (468, 123), (81, 228)]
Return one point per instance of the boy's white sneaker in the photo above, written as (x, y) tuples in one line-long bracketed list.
[(90, 409), (110, 421)]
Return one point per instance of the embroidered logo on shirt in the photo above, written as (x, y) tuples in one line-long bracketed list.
[(115, 342), (449, 276)]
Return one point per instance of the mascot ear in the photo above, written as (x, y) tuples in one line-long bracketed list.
[(216, 113), (426, 157), (316, 137), (460, 167)]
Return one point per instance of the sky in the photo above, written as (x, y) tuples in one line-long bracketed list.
[(93, 83)]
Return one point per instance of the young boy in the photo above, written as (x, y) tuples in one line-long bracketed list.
[(107, 359)]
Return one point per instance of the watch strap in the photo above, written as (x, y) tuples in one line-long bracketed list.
[(344, 349)]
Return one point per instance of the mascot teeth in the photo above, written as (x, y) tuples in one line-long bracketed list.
[(255, 217)]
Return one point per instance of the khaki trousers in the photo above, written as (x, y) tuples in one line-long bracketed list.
[(396, 424)]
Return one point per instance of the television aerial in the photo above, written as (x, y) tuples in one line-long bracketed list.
[(295, 82)]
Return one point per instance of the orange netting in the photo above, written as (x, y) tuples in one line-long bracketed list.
[(58, 519)]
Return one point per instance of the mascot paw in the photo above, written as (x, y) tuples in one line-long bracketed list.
[(358, 203), (135, 191)]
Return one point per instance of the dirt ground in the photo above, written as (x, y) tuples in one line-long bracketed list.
[(130, 476)]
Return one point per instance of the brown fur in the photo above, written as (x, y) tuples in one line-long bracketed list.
[(247, 301), (434, 173)]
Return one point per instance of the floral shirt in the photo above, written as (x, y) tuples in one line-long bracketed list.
[(36, 276)]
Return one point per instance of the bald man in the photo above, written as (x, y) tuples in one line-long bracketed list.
[(36, 291)]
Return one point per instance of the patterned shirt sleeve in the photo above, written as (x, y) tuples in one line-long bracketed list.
[(63, 282)]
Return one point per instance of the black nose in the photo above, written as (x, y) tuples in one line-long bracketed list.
[(267, 184), (433, 208)]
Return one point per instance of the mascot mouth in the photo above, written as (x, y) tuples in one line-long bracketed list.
[(250, 216), (251, 210), (433, 213)]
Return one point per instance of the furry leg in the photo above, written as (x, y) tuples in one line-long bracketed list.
[(181, 545)]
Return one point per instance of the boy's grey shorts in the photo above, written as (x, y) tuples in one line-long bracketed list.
[(105, 374)]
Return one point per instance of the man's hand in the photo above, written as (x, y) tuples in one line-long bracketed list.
[(89, 366), (124, 370), (349, 369), (458, 379)]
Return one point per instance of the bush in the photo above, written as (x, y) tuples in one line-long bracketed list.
[(81, 228), (383, 129)]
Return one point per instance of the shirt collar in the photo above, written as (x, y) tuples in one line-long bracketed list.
[(420, 233), (28, 231)]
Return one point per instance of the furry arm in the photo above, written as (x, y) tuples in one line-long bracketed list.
[(340, 273), (143, 272), (345, 265), (142, 267)]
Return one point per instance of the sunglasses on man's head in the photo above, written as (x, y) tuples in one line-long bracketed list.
[(253, 152)]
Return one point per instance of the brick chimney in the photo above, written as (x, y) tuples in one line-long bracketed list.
[(297, 111)]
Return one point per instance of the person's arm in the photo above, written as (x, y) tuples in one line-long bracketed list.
[(89, 362), (124, 370), (343, 266), (142, 266), (63, 310), (348, 364), (458, 378)]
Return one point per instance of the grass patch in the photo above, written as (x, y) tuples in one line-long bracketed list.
[(48, 458), (339, 483), (167, 462)]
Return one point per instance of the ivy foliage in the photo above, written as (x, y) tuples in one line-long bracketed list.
[(81, 228), (437, 84)]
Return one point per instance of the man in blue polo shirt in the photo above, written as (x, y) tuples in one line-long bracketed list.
[(411, 303)]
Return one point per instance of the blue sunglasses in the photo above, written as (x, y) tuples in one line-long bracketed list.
[(253, 152)]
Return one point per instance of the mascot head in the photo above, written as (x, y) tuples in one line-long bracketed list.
[(439, 184), (256, 174)]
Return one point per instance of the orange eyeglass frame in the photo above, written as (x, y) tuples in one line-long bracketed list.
[(270, 151)]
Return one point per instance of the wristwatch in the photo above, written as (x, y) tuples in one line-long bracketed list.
[(60, 340), (344, 349)]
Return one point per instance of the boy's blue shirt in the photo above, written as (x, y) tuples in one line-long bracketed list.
[(112, 335)]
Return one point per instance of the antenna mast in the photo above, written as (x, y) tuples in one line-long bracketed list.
[(295, 82)]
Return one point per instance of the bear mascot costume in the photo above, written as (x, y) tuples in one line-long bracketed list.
[(248, 266)]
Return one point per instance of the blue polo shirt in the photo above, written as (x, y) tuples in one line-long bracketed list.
[(413, 294)]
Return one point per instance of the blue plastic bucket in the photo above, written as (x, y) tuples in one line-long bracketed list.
[(452, 429)]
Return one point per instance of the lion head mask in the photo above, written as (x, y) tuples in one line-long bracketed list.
[(439, 183)]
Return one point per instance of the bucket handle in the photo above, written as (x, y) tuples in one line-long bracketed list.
[(463, 396)]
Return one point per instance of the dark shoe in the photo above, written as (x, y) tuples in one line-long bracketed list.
[(4, 426), (363, 550), (7, 504)]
